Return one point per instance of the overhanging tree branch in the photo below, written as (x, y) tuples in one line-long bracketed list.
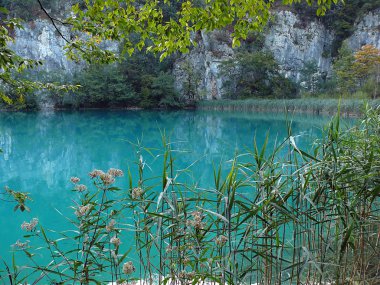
[(52, 20)]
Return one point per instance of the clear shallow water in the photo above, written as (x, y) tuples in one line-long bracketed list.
[(41, 151)]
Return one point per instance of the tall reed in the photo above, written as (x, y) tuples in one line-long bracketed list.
[(348, 107), (277, 216)]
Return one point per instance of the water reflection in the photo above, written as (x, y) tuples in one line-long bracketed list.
[(41, 151)]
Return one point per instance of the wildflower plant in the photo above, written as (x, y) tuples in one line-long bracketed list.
[(96, 256)]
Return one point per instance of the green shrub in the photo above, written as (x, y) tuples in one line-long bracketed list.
[(134, 83), (256, 74), (162, 88), (104, 86)]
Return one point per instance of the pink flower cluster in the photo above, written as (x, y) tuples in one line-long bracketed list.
[(196, 222), (29, 227), (137, 193), (128, 268), (106, 178), (82, 210)]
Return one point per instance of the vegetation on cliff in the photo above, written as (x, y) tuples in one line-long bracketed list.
[(137, 81), (340, 18)]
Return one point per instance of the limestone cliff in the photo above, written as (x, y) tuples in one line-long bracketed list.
[(293, 41), (366, 31), (39, 40), (198, 72)]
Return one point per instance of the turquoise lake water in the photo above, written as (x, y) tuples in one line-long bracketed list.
[(41, 151)]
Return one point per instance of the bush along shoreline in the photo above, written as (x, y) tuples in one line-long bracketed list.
[(348, 107), (276, 216)]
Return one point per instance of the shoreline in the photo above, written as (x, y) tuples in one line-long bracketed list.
[(351, 108), (130, 108), (283, 111)]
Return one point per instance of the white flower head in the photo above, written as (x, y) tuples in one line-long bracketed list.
[(74, 180), (115, 172), (221, 240), (107, 179), (115, 241), (29, 227), (80, 187), (82, 210), (137, 193), (21, 245), (111, 226), (96, 173), (128, 268)]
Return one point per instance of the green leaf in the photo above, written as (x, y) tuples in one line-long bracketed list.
[(4, 10)]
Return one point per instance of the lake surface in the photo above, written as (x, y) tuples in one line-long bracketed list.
[(41, 151)]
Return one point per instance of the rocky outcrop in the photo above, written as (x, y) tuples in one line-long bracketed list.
[(40, 41), (198, 73), (292, 41), (366, 31), (295, 42)]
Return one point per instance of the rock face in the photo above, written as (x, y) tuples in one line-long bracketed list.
[(295, 43), (292, 41), (367, 31), (198, 73), (40, 41)]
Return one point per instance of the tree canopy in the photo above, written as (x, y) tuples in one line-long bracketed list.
[(144, 24)]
